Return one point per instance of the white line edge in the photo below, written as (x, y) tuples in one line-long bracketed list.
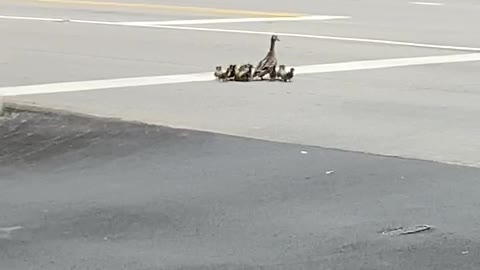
[(237, 20), (427, 3), (364, 40), (221, 30)]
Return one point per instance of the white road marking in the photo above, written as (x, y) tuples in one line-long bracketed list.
[(427, 3), (104, 84), (237, 20), (388, 63), (59, 20), (208, 76), (365, 40), (30, 18), (183, 22), (221, 30)]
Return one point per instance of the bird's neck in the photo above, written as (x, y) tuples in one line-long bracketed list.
[(272, 45)]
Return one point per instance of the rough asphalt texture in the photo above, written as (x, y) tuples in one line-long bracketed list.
[(104, 194)]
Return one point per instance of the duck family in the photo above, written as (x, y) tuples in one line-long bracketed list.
[(267, 66)]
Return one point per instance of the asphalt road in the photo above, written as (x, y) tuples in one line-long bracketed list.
[(104, 194)]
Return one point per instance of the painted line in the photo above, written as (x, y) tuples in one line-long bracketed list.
[(238, 20), (148, 6), (364, 40), (221, 30), (31, 18), (208, 76), (387, 63), (59, 20), (427, 3), (104, 84)]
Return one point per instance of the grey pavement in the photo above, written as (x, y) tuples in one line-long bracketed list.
[(102, 194)]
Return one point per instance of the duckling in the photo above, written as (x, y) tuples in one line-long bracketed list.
[(218, 73), (265, 66), (238, 71), (281, 72), (224, 76), (241, 71), (273, 73), (289, 75), (244, 67), (246, 74)]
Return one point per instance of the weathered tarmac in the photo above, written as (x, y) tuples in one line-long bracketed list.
[(93, 193)]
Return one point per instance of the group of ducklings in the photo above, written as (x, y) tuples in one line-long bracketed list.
[(267, 66), (245, 73)]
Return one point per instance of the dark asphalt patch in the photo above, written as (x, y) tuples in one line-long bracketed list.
[(31, 137)]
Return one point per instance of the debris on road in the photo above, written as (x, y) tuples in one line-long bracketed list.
[(407, 230), (304, 152), (329, 172)]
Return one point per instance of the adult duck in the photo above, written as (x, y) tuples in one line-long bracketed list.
[(269, 62)]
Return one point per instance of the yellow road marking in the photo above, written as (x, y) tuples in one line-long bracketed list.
[(173, 8)]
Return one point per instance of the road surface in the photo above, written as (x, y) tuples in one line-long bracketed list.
[(387, 78), (102, 194)]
